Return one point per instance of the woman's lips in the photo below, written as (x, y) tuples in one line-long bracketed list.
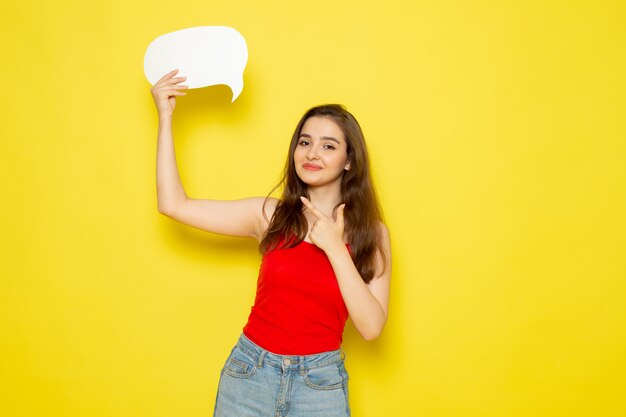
[(311, 167)]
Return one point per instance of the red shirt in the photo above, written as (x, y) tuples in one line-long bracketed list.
[(298, 308)]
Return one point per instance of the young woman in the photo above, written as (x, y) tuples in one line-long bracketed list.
[(326, 257)]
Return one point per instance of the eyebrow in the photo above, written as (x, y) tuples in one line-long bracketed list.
[(306, 135)]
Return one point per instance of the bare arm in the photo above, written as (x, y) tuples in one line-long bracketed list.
[(234, 218), (367, 304)]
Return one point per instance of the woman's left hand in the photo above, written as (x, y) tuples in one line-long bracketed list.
[(326, 233)]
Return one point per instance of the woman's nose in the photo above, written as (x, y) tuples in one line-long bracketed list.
[(312, 153)]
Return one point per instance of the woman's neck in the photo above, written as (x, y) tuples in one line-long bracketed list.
[(325, 198)]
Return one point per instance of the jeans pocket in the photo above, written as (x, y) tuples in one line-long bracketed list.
[(239, 365), (328, 377)]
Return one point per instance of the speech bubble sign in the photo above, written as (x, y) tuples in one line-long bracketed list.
[(206, 55)]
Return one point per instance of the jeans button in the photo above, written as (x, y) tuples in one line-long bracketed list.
[(286, 361)]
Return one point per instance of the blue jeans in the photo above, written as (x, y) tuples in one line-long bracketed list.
[(255, 382)]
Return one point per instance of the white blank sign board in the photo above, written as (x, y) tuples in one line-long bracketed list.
[(206, 55)]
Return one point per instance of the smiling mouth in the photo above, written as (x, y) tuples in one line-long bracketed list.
[(311, 167)]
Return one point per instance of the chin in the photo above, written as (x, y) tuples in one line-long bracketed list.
[(305, 176)]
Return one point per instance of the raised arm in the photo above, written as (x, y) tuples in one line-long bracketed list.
[(234, 218)]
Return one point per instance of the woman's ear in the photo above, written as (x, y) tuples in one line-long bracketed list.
[(347, 168)]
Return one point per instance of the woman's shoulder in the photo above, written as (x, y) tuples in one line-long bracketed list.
[(383, 229), (385, 240), (269, 206)]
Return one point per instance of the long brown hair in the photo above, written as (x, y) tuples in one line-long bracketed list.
[(288, 226)]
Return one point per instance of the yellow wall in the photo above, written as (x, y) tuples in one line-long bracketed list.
[(497, 133)]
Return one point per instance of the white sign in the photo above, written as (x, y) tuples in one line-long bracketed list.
[(206, 55)]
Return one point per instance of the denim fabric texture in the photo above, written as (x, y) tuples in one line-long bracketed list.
[(257, 383)]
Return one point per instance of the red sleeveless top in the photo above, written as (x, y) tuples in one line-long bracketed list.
[(298, 309)]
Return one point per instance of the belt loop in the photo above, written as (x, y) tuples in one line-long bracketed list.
[(301, 365), (261, 356), (343, 355)]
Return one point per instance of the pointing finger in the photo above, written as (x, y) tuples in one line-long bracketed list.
[(313, 209)]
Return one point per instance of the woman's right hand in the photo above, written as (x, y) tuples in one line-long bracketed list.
[(165, 91)]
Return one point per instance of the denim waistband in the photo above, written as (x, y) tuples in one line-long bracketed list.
[(262, 356)]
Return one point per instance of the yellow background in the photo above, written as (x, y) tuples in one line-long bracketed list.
[(497, 132)]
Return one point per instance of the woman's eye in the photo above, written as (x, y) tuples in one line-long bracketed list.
[(303, 142), (327, 146)]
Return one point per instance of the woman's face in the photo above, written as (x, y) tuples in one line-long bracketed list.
[(321, 153)]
